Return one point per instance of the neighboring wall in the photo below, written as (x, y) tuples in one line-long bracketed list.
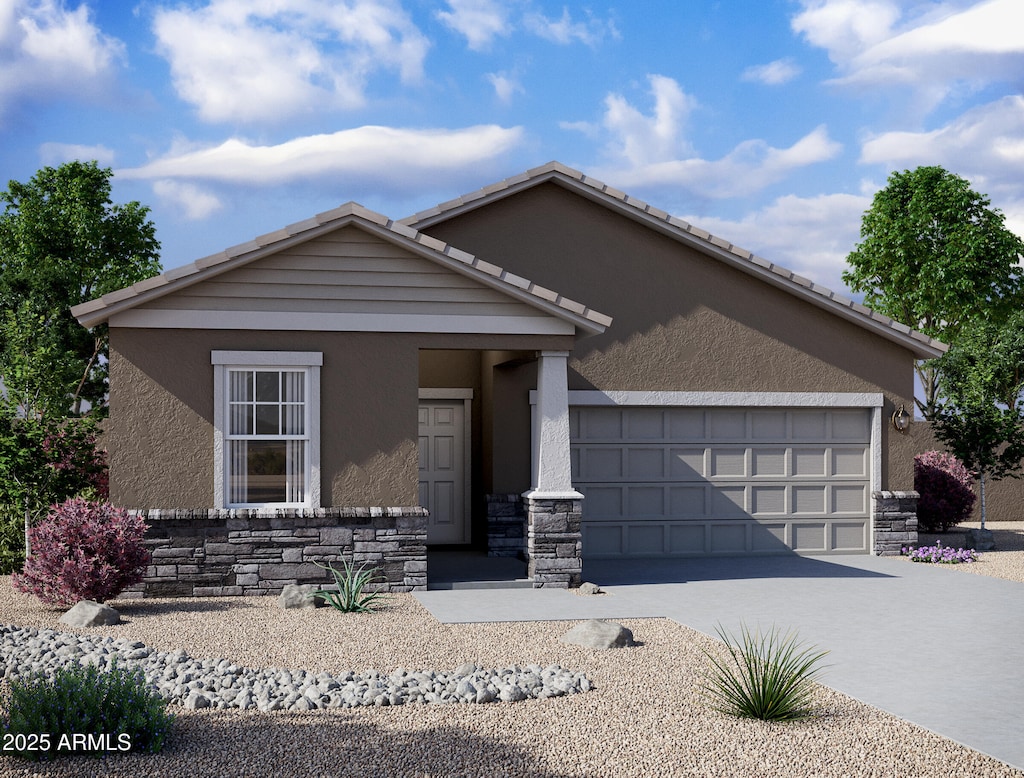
[(682, 320), (1004, 499)]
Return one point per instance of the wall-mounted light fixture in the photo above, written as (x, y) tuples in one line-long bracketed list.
[(901, 419)]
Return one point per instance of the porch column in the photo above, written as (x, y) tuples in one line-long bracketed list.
[(553, 507)]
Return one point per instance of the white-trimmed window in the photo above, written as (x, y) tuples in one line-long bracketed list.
[(266, 428)]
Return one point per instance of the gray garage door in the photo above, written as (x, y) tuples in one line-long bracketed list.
[(667, 481)]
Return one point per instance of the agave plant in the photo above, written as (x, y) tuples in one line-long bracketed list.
[(349, 594), (767, 676)]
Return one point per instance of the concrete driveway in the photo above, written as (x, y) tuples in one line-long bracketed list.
[(933, 645)]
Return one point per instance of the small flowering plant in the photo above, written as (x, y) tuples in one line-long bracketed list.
[(939, 554)]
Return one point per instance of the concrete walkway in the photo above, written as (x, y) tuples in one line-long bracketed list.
[(932, 645)]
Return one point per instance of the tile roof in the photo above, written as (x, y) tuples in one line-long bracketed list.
[(99, 310), (922, 345)]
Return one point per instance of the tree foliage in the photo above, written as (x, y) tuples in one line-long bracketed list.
[(63, 242), (980, 416), (935, 256)]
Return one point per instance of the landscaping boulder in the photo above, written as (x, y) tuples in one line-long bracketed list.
[(299, 596), (599, 634), (88, 613), (586, 589)]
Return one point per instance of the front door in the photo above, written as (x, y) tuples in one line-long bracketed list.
[(442, 478)]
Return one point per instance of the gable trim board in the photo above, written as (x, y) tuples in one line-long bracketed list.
[(923, 346), (121, 308)]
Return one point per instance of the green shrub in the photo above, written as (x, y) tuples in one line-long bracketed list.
[(351, 581), (114, 707), (766, 676)]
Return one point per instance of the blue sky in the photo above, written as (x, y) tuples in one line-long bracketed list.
[(769, 123)]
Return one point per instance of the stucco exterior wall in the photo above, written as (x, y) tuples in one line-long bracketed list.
[(160, 432), (684, 321)]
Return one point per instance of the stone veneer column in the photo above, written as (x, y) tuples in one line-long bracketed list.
[(553, 507), (895, 521)]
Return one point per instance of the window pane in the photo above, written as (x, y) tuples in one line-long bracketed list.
[(294, 387), (237, 481), (241, 420), (268, 389), (266, 472), (267, 419), (296, 471), (241, 386)]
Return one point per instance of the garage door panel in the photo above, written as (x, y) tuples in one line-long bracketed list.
[(687, 539), (768, 462), (768, 537), (685, 423), (645, 539), (809, 536), (645, 464), (849, 462), (768, 425), (646, 501), (645, 424), (809, 462), (727, 425), (726, 463), (849, 499), (686, 464), (728, 501), (688, 501), (728, 538), (809, 499), (691, 481), (768, 499)]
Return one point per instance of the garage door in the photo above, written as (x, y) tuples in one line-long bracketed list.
[(665, 481)]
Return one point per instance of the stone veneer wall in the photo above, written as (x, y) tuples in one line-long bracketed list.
[(895, 521), (506, 525), (204, 553), (554, 543)]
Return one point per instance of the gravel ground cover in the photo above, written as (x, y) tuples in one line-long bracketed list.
[(644, 718)]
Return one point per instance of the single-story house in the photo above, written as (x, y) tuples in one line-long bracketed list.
[(546, 367)]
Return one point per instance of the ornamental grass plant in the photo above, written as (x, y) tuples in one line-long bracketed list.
[(349, 594), (82, 709), (764, 675)]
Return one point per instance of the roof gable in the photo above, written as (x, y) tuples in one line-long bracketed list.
[(921, 345), (349, 268)]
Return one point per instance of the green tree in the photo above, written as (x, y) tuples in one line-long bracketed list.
[(980, 416), (935, 256), (63, 242)]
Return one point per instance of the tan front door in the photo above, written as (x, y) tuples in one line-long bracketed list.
[(442, 478)]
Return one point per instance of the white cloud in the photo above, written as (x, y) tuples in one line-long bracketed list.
[(506, 86), (48, 50), (653, 150), (985, 145), (565, 30), (196, 203), (773, 73), (480, 21), (391, 159), (928, 46), (809, 235), (57, 153), (272, 59)]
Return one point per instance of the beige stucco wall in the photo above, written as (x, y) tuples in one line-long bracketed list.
[(160, 432), (682, 321)]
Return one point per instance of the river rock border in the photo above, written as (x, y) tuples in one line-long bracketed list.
[(221, 684)]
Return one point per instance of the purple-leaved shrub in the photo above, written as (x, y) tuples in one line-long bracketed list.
[(945, 486), (83, 551)]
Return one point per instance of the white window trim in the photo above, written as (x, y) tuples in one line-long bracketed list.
[(223, 361)]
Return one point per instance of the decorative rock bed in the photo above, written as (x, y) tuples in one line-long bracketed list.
[(217, 683)]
